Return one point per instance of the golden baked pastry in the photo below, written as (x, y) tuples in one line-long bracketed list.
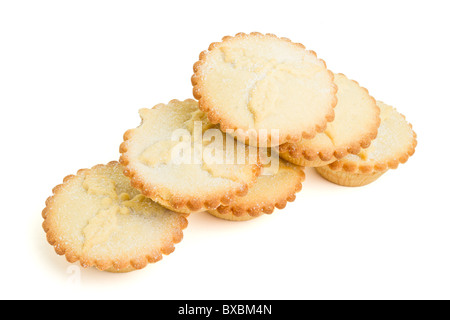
[(355, 125), (268, 90), (273, 189), (180, 160), (97, 218), (395, 143)]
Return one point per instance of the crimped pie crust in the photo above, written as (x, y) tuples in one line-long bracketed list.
[(183, 188), (251, 82), (348, 179), (354, 127), (395, 143), (97, 218), (269, 192)]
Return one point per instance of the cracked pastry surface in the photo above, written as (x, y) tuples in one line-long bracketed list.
[(179, 159), (254, 82), (97, 218), (395, 143), (357, 118), (273, 189)]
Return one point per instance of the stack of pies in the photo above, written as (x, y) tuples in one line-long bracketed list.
[(264, 109)]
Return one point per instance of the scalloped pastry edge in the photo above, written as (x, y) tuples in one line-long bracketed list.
[(247, 135), (243, 212), (378, 166), (115, 266), (294, 152), (184, 204)]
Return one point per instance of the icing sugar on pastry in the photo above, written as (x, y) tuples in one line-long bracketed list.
[(262, 82), (179, 159), (97, 218), (104, 223), (395, 143), (272, 190), (354, 127)]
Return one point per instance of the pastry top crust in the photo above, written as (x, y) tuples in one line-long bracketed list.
[(255, 82), (97, 218), (357, 118), (395, 143), (194, 183), (271, 190)]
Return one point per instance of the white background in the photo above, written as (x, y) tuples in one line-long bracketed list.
[(73, 75)]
